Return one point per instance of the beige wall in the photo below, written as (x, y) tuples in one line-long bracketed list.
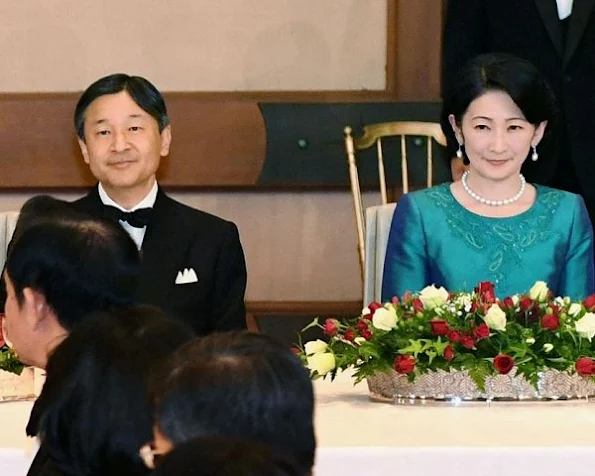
[(194, 45), (299, 246)]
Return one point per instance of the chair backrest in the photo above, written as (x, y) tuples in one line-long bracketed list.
[(378, 221), (373, 135), (8, 221)]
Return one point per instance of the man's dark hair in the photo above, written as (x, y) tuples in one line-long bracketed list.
[(79, 266), (238, 384), (225, 456), (500, 72), (142, 92), (94, 411)]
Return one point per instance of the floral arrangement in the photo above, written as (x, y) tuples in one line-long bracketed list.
[(9, 361), (436, 330)]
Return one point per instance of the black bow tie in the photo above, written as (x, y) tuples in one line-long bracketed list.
[(138, 218)]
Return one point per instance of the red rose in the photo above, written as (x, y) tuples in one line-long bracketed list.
[(453, 336), (449, 354), (404, 364), (373, 306), (361, 325), (550, 322), (474, 306), (467, 342), (509, 303), (418, 306), (294, 350), (526, 303), (330, 327), (503, 363), (349, 335), (589, 303), (406, 296), (585, 367), (439, 327), (366, 334), (486, 292), (482, 331)]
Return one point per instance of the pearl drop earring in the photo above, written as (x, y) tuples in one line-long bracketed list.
[(459, 152), (534, 155)]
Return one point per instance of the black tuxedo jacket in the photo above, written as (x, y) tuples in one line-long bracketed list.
[(180, 237), (532, 30)]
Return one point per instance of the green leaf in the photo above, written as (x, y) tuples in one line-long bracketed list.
[(314, 323), (414, 347)]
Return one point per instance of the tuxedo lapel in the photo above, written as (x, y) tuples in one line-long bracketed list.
[(581, 11), (92, 204), (549, 14), (164, 249)]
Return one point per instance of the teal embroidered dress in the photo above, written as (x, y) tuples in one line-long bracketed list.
[(435, 240)]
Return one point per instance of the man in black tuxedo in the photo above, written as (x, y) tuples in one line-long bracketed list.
[(192, 262), (558, 37)]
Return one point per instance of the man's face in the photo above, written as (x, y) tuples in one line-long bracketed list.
[(16, 324), (123, 145)]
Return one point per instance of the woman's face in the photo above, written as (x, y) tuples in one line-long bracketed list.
[(496, 136)]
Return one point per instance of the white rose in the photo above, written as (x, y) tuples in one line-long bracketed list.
[(366, 311), (359, 340), (431, 296), (495, 318), (548, 347), (585, 326), (575, 309), (385, 319), (530, 340), (515, 300), (464, 299), (315, 347), (321, 363), (539, 291)]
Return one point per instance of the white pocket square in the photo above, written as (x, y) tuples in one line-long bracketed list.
[(187, 276)]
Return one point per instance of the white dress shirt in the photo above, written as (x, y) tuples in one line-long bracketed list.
[(137, 234), (564, 8)]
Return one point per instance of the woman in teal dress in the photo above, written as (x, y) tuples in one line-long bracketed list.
[(492, 225)]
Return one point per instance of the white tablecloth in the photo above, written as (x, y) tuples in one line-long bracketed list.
[(359, 437)]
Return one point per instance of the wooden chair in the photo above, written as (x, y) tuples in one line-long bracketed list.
[(371, 240)]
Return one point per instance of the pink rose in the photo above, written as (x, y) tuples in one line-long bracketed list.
[(418, 306), (330, 327), (449, 353)]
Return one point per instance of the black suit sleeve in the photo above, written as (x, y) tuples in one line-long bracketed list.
[(229, 311), (466, 35)]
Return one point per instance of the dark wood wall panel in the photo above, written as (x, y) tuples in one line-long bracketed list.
[(220, 139), (216, 143), (418, 47)]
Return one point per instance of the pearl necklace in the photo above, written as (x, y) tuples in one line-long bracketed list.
[(493, 203)]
